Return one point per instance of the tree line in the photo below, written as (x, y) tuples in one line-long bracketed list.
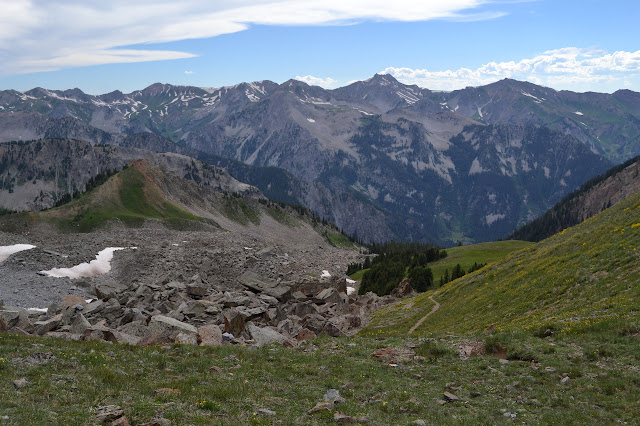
[(396, 261)]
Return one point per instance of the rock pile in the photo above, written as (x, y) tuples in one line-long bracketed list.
[(257, 311)]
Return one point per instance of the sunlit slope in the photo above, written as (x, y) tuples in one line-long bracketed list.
[(584, 276)]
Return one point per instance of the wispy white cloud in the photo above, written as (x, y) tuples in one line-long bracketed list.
[(189, 72), (567, 68), (318, 81), (42, 35)]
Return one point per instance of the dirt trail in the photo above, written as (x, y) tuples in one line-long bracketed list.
[(435, 308)]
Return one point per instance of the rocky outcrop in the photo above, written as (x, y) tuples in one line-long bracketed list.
[(265, 312)]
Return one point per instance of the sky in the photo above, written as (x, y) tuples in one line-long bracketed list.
[(99, 47)]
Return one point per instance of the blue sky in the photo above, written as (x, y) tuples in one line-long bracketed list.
[(586, 45)]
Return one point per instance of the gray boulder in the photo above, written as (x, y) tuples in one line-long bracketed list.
[(45, 326), (165, 325), (264, 336), (209, 335)]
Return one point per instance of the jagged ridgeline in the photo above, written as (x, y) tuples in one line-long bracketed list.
[(591, 198), (379, 158)]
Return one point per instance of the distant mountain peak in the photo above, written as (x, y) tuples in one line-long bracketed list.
[(383, 80)]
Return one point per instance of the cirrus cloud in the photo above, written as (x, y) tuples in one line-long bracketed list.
[(567, 68), (44, 35)]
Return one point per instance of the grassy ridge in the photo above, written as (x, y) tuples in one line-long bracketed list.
[(586, 277), (129, 196)]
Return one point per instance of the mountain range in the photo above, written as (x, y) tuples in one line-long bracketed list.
[(381, 159)]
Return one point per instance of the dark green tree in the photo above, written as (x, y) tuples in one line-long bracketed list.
[(421, 278)]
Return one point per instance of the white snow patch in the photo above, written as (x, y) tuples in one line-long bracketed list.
[(100, 265), (175, 245), (475, 167), (38, 309), (351, 290), (350, 281), (480, 112), (6, 251), (373, 193), (411, 99), (325, 274), (578, 113), (311, 120), (547, 172), (537, 100), (251, 96), (490, 218)]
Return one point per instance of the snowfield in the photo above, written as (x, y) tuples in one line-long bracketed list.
[(100, 265), (6, 251)]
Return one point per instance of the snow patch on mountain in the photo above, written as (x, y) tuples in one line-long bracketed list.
[(476, 167), (536, 99), (6, 251), (100, 265), (491, 218), (411, 99)]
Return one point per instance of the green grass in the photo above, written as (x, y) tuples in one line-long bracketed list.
[(87, 375), (282, 216), (358, 275), (583, 278), (240, 212), (129, 196), (132, 203), (466, 256), (337, 239)]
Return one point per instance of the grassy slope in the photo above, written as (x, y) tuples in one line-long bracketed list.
[(131, 196), (583, 278), (466, 256), (86, 375)]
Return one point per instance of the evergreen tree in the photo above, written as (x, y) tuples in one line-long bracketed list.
[(457, 272), (421, 279)]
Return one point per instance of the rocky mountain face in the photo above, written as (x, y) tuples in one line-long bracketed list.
[(379, 158), (608, 123), (34, 175), (590, 199)]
